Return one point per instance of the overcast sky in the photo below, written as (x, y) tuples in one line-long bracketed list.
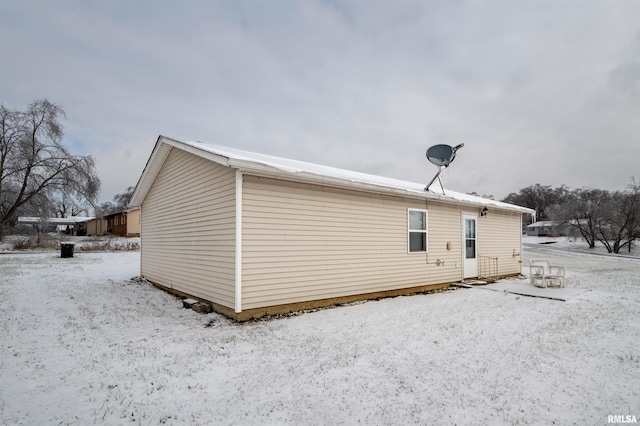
[(538, 91)]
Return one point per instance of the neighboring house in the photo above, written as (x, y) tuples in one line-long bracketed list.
[(125, 223), (549, 229), (256, 235), (74, 225), (116, 223), (96, 226), (133, 222)]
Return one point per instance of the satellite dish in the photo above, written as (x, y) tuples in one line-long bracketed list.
[(442, 156)]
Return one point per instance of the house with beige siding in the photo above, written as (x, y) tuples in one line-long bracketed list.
[(125, 223), (97, 226), (256, 235), (133, 222)]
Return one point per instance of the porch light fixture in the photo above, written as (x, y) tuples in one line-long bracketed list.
[(484, 211)]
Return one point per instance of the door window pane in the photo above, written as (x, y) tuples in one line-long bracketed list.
[(470, 228), (470, 249)]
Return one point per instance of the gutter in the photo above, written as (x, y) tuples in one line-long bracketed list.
[(238, 252), (263, 170)]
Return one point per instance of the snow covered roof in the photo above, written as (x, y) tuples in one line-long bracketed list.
[(127, 210), (55, 220), (301, 171), (543, 223)]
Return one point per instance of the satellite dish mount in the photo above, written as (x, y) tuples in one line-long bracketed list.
[(442, 156)]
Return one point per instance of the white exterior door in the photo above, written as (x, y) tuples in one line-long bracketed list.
[(470, 245)]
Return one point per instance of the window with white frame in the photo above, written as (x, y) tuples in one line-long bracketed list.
[(417, 234)]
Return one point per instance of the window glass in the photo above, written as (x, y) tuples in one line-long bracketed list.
[(417, 220), (470, 249), (417, 241), (417, 234), (470, 228)]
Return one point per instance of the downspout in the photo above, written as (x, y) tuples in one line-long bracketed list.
[(238, 254)]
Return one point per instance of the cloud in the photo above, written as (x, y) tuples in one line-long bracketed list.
[(539, 92)]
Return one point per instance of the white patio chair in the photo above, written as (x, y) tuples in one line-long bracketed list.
[(544, 274)]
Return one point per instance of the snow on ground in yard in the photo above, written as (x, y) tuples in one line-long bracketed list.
[(81, 344), (579, 245), (47, 242)]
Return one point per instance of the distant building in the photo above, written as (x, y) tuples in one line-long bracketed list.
[(549, 228), (74, 225), (96, 226), (125, 223)]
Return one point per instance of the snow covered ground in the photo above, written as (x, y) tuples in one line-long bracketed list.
[(48, 242), (82, 344), (579, 245)]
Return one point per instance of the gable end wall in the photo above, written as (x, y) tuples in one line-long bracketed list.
[(188, 228)]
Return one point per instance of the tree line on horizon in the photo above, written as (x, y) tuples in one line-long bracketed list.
[(40, 177), (611, 218)]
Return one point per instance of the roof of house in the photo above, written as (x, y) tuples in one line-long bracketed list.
[(268, 165), (55, 220), (555, 223), (542, 223), (127, 210)]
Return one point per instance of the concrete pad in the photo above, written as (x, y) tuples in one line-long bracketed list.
[(524, 288), (201, 308), (188, 303)]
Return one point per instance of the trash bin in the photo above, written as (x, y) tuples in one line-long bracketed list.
[(66, 249)]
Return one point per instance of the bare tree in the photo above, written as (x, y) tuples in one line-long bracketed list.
[(611, 218), (34, 164), (122, 200), (541, 198), (66, 206), (104, 209), (633, 205), (612, 225), (120, 203), (584, 210)]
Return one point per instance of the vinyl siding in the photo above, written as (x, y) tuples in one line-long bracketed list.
[(133, 223), (306, 242), (96, 227), (500, 235), (188, 228)]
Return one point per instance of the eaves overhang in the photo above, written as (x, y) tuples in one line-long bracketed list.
[(256, 169), (279, 168)]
